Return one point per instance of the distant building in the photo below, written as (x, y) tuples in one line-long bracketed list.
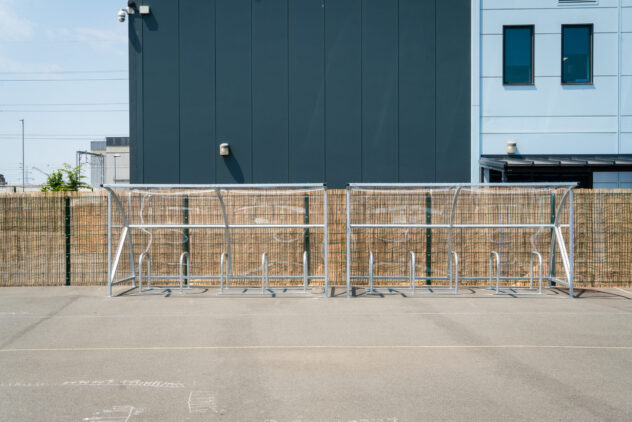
[(3, 181), (116, 161), (382, 91)]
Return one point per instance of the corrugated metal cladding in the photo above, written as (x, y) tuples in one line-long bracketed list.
[(303, 91)]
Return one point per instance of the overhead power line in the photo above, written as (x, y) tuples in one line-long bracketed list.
[(62, 134), (86, 139), (60, 104), (63, 111), (55, 72), (64, 80)]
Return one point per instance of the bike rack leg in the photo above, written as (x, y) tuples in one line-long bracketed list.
[(305, 272), (370, 272), (456, 272), (411, 270), (492, 255), (539, 256), (184, 257), (141, 259), (264, 272), (222, 263)]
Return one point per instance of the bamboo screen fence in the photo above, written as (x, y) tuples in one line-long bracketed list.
[(54, 239)]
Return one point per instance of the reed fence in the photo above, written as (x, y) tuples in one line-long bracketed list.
[(56, 239)]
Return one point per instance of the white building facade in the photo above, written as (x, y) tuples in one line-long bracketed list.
[(552, 90), (115, 161)]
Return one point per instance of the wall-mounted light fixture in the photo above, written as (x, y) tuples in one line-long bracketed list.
[(224, 149)]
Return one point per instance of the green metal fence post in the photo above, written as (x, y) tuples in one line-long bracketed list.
[(428, 240), (553, 234), (306, 232), (187, 244), (67, 236)]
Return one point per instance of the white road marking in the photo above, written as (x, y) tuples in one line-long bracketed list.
[(115, 414), (324, 347), (202, 402)]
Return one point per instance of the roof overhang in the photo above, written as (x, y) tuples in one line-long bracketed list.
[(536, 163)]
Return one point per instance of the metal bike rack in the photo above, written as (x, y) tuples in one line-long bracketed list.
[(227, 280), (516, 290), (185, 262), (412, 279), (144, 256), (451, 225), (265, 277), (265, 282), (493, 254)]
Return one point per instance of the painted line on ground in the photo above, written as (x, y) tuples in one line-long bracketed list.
[(277, 315), (315, 347)]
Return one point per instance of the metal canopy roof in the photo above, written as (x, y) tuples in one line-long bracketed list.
[(540, 162)]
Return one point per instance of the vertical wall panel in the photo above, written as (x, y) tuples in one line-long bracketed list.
[(453, 91), (307, 91), (379, 91), (416, 91), (233, 89), (270, 91), (336, 91), (135, 98), (197, 91), (161, 97), (343, 46)]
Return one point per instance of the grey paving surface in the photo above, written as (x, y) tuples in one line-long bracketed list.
[(73, 354)]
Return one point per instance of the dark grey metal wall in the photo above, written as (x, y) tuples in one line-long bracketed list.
[(303, 91)]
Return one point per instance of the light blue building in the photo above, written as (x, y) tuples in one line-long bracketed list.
[(552, 91)]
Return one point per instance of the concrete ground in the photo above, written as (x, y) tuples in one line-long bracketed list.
[(74, 354)]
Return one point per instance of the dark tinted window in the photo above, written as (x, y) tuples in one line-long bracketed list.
[(577, 54), (518, 55)]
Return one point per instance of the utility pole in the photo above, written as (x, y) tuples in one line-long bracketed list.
[(23, 163)]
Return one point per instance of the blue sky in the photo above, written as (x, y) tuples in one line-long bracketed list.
[(61, 39)]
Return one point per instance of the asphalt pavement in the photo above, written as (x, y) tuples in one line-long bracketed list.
[(71, 353)]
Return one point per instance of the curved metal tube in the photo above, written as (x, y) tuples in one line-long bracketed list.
[(141, 259), (537, 254), (184, 256), (491, 260), (411, 270)]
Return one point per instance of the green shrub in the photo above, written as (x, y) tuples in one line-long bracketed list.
[(65, 179)]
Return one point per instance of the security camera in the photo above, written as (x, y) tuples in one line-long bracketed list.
[(121, 15)]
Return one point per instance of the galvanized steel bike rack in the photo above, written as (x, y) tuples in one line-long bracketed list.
[(226, 274), (452, 257)]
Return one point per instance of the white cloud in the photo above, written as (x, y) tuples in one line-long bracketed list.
[(8, 64), (103, 39), (12, 26)]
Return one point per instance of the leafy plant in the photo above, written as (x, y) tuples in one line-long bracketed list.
[(65, 179)]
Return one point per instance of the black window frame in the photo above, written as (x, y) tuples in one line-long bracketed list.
[(532, 28), (591, 53)]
